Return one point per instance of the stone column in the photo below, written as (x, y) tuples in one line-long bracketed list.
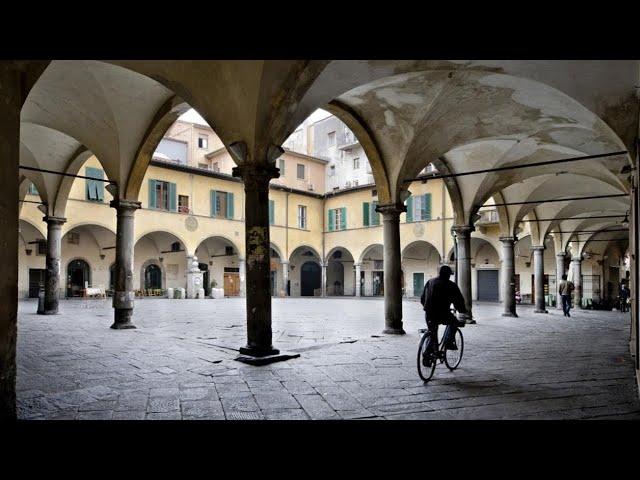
[(538, 277), (463, 267), (559, 274), (52, 262), (357, 285), (285, 276), (10, 104), (508, 277), (324, 279), (242, 275), (576, 263), (124, 292), (256, 179), (392, 267)]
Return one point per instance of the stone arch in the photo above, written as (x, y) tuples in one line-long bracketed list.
[(68, 286), (420, 261), (143, 268), (75, 163), (340, 272), (367, 139)]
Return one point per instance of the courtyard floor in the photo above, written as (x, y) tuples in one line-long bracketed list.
[(179, 364)]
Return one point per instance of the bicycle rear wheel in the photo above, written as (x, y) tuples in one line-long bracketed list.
[(425, 372), (452, 358)]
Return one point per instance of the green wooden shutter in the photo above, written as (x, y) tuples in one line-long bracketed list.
[(426, 206), (212, 197), (332, 220), (229, 205), (343, 219), (173, 197), (375, 216), (96, 188), (365, 214), (409, 209), (271, 212), (152, 193)]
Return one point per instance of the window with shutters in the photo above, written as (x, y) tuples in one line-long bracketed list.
[(302, 217), (337, 219), (370, 217), (32, 189), (203, 142), (162, 195), (94, 188), (222, 205), (419, 208)]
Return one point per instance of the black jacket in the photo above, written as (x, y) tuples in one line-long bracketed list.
[(437, 297)]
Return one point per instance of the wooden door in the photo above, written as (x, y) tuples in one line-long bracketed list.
[(231, 284)]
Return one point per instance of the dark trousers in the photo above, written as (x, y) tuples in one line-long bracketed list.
[(623, 304), (566, 303), (449, 320)]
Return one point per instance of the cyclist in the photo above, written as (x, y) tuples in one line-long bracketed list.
[(438, 295)]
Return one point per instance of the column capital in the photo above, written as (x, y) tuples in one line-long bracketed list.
[(284, 262), (51, 220), (561, 255), (537, 248), (391, 209), (463, 230), (256, 175), (576, 259), (125, 205), (507, 239)]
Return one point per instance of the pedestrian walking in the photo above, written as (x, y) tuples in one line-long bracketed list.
[(566, 288)]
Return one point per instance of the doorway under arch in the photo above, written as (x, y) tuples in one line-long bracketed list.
[(78, 277), (152, 277), (310, 278)]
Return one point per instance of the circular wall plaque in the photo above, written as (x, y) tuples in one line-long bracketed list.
[(418, 229), (191, 223)]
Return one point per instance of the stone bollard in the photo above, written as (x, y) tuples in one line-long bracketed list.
[(169, 292), (182, 293), (201, 295)]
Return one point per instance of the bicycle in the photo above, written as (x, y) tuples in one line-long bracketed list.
[(451, 358)]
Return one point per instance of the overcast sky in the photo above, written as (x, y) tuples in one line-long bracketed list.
[(194, 117)]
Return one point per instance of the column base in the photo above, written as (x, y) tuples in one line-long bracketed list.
[(258, 352), (514, 315), (123, 326), (49, 312), (540, 311), (394, 331), (122, 319)]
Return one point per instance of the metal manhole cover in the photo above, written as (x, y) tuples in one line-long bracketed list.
[(244, 416)]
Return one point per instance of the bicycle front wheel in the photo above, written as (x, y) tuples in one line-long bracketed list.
[(452, 358), (425, 372)]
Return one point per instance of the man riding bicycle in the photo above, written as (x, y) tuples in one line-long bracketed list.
[(438, 295)]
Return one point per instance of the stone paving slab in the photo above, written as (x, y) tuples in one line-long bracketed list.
[(179, 364)]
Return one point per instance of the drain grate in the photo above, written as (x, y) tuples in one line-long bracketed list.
[(245, 416)]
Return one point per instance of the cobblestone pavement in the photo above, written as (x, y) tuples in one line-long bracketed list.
[(179, 364)]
